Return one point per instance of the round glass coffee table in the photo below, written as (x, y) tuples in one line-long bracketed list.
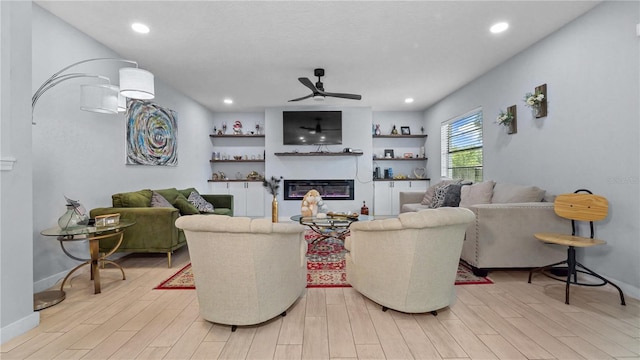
[(336, 226), (49, 298)]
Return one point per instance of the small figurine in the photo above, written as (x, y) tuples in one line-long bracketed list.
[(394, 131), (237, 127), (378, 132)]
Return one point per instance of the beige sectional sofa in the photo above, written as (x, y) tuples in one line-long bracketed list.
[(502, 234)]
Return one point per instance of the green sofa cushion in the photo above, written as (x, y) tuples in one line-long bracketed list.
[(170, 194), (141, 198), (185, 207), (187, 192)]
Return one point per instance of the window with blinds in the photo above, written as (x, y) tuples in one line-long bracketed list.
[(461, 144)]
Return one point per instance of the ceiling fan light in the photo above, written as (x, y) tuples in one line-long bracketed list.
[(318, 97), (99, 98), (136, 83)]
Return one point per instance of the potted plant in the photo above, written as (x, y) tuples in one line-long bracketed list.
[(506, 118), (534, 101)]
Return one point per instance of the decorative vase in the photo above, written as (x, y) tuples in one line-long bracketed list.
[(274, 210), (536, 110), (510, 128), (71, 219)]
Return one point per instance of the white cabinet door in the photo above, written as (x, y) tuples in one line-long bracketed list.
[(219, 187), (382, 198), (396, 188), (387, 195), (248, 197), (254, 199), (237, 189)]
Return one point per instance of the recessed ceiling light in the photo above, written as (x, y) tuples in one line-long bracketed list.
[(499, 27), (140, 28), (228, 101), (408, 100)]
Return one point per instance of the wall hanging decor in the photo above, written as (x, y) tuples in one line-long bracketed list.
[(537, 101), (509, 119), (152, 134)]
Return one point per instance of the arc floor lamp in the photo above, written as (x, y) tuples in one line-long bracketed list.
[(135, 83)]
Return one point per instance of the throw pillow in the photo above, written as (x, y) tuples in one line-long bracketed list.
[(439, 197), (170, 194), (452, 195), (431, 191), (509, 193), (185, 207), (480, 193), (158, 200), (187, 192), (200, 203)]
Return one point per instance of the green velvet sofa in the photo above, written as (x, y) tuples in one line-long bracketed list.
[(155, 230)]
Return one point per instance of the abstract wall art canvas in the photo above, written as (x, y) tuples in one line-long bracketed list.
[(152, 134)]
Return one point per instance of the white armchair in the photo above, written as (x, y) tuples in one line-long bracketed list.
[(246, 271), (408, 263)]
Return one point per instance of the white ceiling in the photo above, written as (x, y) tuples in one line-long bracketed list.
[(254, 51)]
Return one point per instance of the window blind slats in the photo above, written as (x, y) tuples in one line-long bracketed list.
[(461, 144)]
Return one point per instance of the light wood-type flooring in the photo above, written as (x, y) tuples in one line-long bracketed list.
[(507, 320)]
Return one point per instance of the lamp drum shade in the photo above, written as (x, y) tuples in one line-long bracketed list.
[(99, 98), (136, 84)]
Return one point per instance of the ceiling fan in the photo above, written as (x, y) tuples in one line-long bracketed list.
[(318, 128), (317, 91)]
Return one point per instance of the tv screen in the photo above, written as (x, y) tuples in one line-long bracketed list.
[(312, 127)]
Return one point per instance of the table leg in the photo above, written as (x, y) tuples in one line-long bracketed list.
[(94, 250)]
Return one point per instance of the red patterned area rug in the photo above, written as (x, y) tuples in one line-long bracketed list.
[(325, 268)]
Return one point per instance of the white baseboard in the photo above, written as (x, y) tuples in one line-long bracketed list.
[(19, 327), (48, 282)]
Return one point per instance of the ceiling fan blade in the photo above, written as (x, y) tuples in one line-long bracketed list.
[(306, 82), (344, 96), (302, 98)]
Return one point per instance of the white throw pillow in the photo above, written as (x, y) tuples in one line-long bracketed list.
[(200, 203)]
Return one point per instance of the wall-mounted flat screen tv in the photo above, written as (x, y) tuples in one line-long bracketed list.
[(312, 127)]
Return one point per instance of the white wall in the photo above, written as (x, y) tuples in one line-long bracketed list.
[(589, 138), (356, 134), (16, 247), (82, 155)]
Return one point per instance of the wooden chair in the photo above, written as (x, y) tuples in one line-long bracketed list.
[(582, 205)]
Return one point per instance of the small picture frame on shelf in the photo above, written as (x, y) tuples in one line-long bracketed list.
[(388, 153), (408, 155), (405, 130)]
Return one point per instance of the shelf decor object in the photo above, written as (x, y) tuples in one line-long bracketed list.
[(135, 83), (537, 101), (273, 185)]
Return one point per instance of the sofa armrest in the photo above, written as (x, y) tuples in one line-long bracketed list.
[(502, 235), (154, 228), (410, 197), (220, 201)]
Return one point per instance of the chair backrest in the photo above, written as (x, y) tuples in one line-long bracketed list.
[(581, 207), (246, 271)]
